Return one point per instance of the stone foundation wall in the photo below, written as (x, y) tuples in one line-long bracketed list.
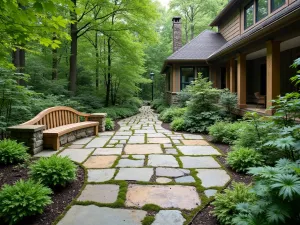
[(70, 137), (172, 98)]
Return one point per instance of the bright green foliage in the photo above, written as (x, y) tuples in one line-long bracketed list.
[(53, 171), (168, 115), (240, 159), (225, 203), (296, 79), (227, 132), (24, 198), (148, 220), (115, 112), (278, 193), (109, 124), (178, 124), (12, 152), (156, 103)]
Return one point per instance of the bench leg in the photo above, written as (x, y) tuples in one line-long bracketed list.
[(56, 144), (96, 130), (52, 142)]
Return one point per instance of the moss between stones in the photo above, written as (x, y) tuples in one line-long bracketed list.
[(148, 220), (151, 207)]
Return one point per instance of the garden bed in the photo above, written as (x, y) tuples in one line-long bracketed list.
[(61, 197)]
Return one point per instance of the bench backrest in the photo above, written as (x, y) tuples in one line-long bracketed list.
[(57, 116)]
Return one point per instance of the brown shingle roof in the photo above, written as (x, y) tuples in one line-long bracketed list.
[(200, 48)]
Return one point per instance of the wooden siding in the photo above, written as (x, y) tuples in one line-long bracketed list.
[(231, 27)]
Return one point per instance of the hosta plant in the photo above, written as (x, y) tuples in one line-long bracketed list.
[(53, 171), (109, 124), (12, 152), (24, 198)]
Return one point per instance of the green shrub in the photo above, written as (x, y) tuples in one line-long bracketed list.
[(242, 158), (226, 132), (12, 152), (158, 102), (25, 198), (109, 124), (228, 100), (278, 191), (170, 114), (53, 171), (178, 124), (225, 203), (116, 112), (161, 108)]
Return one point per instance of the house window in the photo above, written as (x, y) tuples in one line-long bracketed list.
[(261, 9), (249, 15), (204, 70), (276, 4), (187, 75)]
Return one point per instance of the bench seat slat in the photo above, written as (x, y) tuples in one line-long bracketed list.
[(59, 131)]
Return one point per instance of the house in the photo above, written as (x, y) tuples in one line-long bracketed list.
[(251, 54)]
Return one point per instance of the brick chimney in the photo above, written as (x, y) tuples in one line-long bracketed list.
[(177, 35)]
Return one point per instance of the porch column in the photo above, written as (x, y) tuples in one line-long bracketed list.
[(228, 76), (241, 81), (232, 71), (273, 72), (173, 78), (214, 77)]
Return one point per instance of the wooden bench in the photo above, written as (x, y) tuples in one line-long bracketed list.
[(58, 125)]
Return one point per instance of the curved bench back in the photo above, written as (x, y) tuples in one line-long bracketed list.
[(57, 116)]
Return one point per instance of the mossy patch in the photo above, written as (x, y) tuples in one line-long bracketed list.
[(151, 207), (148, 220)]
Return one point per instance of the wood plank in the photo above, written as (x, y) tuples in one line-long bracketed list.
[(59, 118), (48, 122), (54, 119)]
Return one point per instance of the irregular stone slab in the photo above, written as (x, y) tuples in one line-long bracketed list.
[(120, 137), (171, 172), (168, 217), (168, 145), (75, 146), (195, 142), (156, 135), (93, 215), (98, 162), (159, 141), (107, 133), (45, 153), (135, 174), (171, 151), (102, 193), (83, 141), (145, 131), (138, 156), (130, 163), (100, 175), (162, 160), (210, 192), (108, 151), (136, 140), (176, 141), (192, 136), (143, 149), (77, 155), (213, 177), (199, 162), (198, 150), (123, 133), (122, 141), (119, 146), (165, 196), (163, 180), (187, 179), (98, 142)]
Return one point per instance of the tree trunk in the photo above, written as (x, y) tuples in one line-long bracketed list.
[(54, 63), (16, 59), (108, 82), (97, 61), (73, 56)]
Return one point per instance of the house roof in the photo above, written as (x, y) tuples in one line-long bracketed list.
[(256, 30), (200, 48)]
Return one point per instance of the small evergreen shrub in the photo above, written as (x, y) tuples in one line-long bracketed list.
[(170, 114), (25, 198), (12, 152), (178, 124), (53, 171), (228, 100), (242, 158), (225, 203), (158, 102), (109, 124)]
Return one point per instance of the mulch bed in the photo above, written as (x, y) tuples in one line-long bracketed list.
[(205, 217), (61, 197)]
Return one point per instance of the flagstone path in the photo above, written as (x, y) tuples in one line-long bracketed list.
[(177, 172)]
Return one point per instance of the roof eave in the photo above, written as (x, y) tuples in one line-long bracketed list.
[(229, 6)]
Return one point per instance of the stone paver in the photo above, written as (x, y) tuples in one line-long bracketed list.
[(108, 151), (143, 149), (199, 162), (213, 177), (135, 174), (101, 193), (162, 160), (165, 196), (100, 175), (98, 162), (198, 150), (45, 153), (77, 155), (169, 217), (93, 215)]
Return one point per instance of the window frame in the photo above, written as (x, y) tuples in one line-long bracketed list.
[(272, 5), (181, 83), (248, 6), (256, 11)]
